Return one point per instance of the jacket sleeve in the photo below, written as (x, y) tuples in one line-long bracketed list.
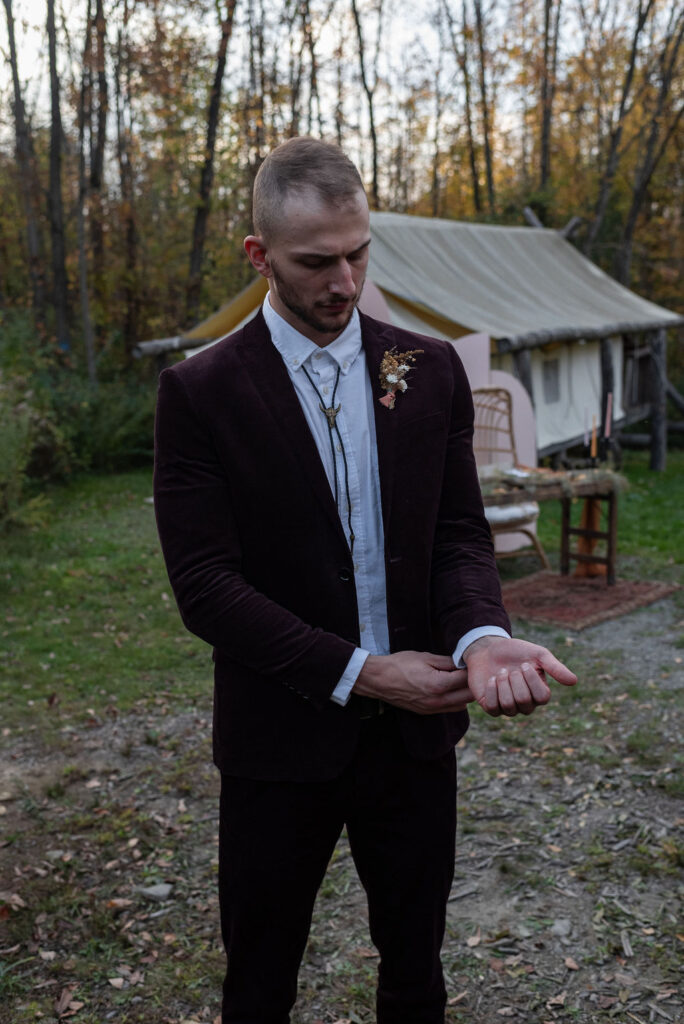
[(466, 592), (195, 518)]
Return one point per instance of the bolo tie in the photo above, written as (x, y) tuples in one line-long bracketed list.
[(330, 413)]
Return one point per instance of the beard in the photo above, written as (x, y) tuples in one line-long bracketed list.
[(313, 314)]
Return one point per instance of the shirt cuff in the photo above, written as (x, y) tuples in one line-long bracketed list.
[(343, 690), (471, 636)]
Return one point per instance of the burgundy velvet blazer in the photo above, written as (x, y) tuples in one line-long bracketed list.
[(258, 559)]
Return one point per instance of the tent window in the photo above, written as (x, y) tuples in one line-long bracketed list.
[(551, 380)]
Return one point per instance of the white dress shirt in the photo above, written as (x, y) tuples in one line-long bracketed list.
[(356, 423)]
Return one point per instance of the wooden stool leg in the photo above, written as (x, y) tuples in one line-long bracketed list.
[(612, 538), (565, 537)]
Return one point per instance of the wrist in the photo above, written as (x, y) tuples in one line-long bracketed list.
[(480, 644)]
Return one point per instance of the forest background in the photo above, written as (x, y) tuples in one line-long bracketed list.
[(131, 132)]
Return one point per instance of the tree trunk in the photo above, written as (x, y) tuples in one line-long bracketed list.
[(83, 190), (613, 158), (653, 149), (484, 100), (207, 175), (462, 59), (126, 185), (98, 138), (548, 87), (370, 94), (59, 275), (28, 178)]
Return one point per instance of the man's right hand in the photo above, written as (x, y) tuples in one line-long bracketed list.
[(427, 684)]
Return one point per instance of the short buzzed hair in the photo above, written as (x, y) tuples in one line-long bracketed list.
[(295, 166)]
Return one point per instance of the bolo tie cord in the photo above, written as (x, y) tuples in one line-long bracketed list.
[(331, 418)]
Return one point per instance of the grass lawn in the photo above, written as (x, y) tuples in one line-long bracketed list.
[(88, 615), (89, 618)]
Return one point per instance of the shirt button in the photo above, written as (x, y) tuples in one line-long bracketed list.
[(326, 390), (345, 366), (295, 362), (344, 575), (339, 447), (362, 627), (318, 355)]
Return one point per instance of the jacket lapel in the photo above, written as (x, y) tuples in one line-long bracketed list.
[(279, 402), (378, 338)]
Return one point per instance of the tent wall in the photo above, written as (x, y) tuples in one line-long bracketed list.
[(566, 386)]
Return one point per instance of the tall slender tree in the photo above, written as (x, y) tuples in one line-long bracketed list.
[(84, 105), (552, 14), (60, 284), (28, 177), (199, 232), (617, 128), (369, 81), (485, 105)]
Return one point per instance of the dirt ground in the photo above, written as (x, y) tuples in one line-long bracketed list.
[(566, 904)]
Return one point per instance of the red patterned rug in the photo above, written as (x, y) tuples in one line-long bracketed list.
[(576, 603)]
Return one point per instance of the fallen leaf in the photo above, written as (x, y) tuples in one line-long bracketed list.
[(571, 964), (62, 1002), (47, 954), (367, 952), (12, 899), (459, 998), (558, 1000), (474, 940), (117, 904), (116, 982), (506, 1011)]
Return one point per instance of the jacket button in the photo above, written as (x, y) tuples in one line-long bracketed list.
[(345, 575)]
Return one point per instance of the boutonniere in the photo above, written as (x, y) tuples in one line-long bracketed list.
[(393, 370)]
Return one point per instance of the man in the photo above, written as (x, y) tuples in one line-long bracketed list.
[(323, 529)]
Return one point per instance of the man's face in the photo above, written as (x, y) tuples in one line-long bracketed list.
[(316, 263)]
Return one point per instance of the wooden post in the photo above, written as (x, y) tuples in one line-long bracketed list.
[(657, 344), (607, 379), (522, 361)]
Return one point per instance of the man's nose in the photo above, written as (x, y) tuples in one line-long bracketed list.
[(342, 280)]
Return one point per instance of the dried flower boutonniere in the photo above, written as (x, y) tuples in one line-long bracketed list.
[(393, 370)]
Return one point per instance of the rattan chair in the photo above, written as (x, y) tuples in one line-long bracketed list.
[(494, 445)]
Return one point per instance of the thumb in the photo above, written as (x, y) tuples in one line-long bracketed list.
[(556, 669)]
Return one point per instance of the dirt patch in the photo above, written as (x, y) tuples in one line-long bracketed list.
[(565, 905)]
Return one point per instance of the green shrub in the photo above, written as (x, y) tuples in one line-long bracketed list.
[(109, 427), (20, 424), (75, 426)]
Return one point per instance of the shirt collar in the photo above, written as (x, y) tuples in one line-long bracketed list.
[(295, 348)]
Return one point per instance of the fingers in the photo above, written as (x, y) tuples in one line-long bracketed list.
[(515, 691)]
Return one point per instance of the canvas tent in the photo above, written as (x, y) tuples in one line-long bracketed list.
[(545, 307)]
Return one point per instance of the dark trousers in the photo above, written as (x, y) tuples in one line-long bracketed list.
[(276, 839)]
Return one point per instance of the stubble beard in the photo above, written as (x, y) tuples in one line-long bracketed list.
[(306, 314)]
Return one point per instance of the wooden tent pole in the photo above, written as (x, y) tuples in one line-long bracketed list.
[(657, 344)]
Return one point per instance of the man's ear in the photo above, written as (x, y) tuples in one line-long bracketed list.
[(258, 255)]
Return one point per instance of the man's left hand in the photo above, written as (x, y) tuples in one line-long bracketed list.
[(508, 677)]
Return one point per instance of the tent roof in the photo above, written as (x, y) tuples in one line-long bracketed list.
[(507, 282)]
